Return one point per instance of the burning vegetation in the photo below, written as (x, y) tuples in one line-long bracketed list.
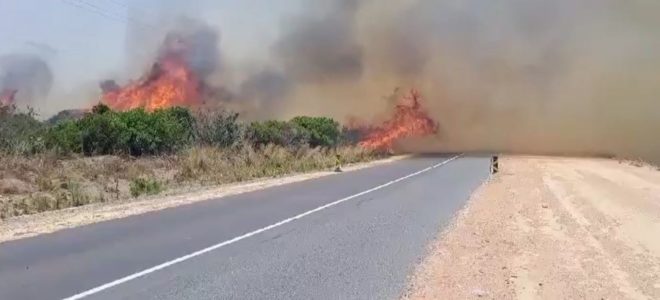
[(188, 64), (409, 119), (174, 80), (170, 82)]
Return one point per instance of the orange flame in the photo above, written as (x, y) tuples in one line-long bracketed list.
[(409, 120), (171, 82), (7, 97)]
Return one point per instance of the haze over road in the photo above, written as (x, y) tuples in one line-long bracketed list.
[(356, 235)]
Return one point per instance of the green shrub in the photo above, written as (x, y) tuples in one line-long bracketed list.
[(267, 132), (138, 132), (102, 134), (65, 138), (66, 115), (184, 117), (135, 132), (218, 129), (276, 133), (20, 133), (296, 136), (154, 133), (145, 186), (311, 131), (322, 131)]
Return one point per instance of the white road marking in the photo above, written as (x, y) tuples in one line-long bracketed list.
[(247, 235)]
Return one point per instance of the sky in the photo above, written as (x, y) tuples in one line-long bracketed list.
[(85, 40)]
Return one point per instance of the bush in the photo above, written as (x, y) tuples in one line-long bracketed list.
[(276, 133), (184, 117), (218, 129), (267, 132), (66, 115), (162, 131), (65, 138), (135, 132), (322, 131), (20, 133), (145, 186), (311, 131), (138, 132), (102, 134)]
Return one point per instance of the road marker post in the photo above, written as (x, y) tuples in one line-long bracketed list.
[(494, 165), (338, 164)]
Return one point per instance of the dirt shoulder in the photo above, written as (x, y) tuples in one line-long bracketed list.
[(551, 228), (47, 222)]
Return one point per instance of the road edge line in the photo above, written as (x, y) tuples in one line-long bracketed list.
[(249, 234)]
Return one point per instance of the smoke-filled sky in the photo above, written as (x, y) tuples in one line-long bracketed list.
[(86, 40), (561, 76)]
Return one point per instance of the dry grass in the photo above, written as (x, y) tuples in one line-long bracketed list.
[(45, 182), (214, 166), (639, 162)]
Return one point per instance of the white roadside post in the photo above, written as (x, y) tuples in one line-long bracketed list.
[(494, 165)]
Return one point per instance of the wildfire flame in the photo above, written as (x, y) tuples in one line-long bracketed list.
[(170, 82), (7, 97), (409, 119)]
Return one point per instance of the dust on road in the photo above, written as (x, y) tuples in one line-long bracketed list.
[(552, 228)]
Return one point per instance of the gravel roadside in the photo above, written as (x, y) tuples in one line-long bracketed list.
[(551, 228)]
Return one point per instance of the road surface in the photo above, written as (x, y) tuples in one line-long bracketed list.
[(356, 235)]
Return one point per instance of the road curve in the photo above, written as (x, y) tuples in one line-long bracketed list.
[(355, 235)]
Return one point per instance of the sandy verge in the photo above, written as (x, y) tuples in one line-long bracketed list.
[(551, 228), (47, 222)]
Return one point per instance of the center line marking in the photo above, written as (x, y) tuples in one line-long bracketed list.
[(247, 235)]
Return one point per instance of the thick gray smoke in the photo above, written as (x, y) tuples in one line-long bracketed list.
[(571, 77), (200, 44), (197, 41), (29, 76), (321, 44), (266, 90)]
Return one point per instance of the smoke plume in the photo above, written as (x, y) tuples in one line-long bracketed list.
[(200, 45), (28, 78), (321, 45), (533, 76)]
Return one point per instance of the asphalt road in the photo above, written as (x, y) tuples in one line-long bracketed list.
[(356, 235)]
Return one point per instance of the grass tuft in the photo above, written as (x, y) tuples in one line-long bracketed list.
[(145, 186)]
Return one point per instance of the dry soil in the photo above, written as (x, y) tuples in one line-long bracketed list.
[(551, 228)]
